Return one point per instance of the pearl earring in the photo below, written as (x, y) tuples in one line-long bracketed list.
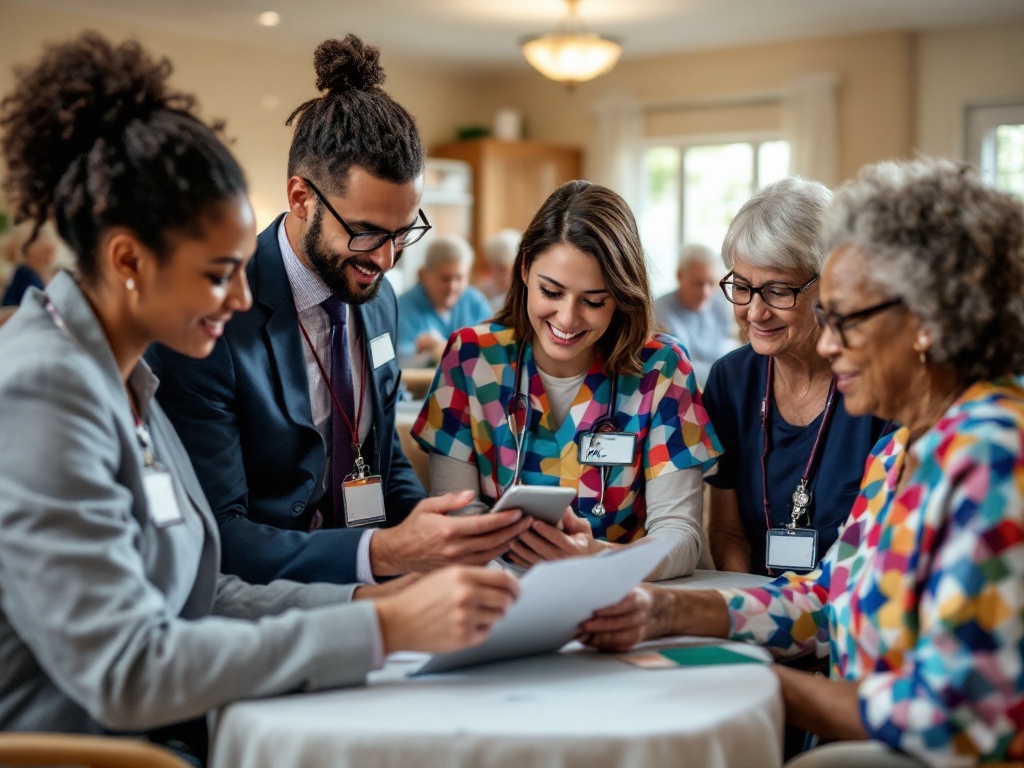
[(130, 283)]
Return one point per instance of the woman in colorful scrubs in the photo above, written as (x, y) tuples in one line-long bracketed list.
[(568, 386)]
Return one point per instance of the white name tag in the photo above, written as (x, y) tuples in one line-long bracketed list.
[(364, 501), (607, 449), (160, 497), (381, 350), (792, 549)]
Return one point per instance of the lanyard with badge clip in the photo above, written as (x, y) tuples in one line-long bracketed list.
[(363, 492), (157, 482), (790, 547)]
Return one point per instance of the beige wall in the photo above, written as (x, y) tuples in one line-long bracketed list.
[(964, 67), (898, 91), (876, 96), (252, 88)]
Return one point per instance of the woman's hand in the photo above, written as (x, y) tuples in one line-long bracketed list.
[(542, 541), (621, 626), (389, 587), (446, 610)]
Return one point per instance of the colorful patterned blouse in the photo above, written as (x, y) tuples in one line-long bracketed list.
[(922, 597), (464, 418)]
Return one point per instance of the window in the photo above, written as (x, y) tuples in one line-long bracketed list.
[(995, 144), (692, 191)]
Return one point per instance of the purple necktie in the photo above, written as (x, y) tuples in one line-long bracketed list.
[(342, 459)]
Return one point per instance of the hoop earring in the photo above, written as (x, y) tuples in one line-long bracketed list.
[(129, 284)]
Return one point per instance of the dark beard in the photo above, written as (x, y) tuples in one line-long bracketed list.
[(328, 269)]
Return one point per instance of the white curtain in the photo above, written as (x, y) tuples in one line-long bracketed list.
[(810, 124), (615, 156)]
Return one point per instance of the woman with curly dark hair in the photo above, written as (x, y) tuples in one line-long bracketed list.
[(921, 601), (113, 613)]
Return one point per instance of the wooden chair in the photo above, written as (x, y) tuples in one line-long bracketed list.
[(17, 749)]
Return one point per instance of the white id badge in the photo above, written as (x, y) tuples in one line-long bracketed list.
[(160, 497), (381, 350), (364, 501), (607, 449), (791, 549)]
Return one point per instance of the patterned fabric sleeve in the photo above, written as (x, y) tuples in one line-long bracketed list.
[(960, 690), (788, 616), (681, 434), (444, 424)]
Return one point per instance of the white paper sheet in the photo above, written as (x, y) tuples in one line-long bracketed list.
[(555, 597)]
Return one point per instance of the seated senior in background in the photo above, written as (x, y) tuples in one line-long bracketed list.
[(792, 455), (113, 613), (442, 302), (696, 312), (571, 356), (921, 601)]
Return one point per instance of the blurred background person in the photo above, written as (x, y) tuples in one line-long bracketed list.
[(697, 313), (35, 260), (792, 454), (499, 256), (442, 302), (921, 605)]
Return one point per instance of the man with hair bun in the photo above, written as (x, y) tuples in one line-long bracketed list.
[(290, 423)]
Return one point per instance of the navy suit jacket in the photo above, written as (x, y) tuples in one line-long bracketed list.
[(245, 417)]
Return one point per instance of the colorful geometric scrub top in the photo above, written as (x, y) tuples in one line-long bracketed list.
[(464, 418), (922, 597)]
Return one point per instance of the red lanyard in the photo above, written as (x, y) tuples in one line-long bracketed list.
[(815, 450), (354, 430)]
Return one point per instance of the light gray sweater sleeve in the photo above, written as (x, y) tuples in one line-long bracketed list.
[(448, 474), (675, 504)]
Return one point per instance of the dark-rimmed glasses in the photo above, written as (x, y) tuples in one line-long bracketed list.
[(371, 240), (837, 323), (774, 294)]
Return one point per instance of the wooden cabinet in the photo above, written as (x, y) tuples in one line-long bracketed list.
[(510, 181)]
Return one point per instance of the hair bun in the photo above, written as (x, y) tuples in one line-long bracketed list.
[(347, 64)]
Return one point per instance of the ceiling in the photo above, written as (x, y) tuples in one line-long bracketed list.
[(485, 33)]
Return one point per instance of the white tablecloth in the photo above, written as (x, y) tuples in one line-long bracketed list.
[(576, 708)]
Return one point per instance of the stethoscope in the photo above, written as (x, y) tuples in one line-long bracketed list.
[(518, 413)]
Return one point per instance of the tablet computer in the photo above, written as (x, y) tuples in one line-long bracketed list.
[(545, 502)]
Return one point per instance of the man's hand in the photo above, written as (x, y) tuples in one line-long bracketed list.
[(621, 626), (446, 610), (546, 542), (429, 539)]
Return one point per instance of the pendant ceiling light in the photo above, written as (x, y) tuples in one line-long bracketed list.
[(571, 54)]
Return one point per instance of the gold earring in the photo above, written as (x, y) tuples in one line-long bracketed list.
[(923, 356), (130, 283)]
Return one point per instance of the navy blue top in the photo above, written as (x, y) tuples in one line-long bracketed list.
[(733, 401), (22, 279)]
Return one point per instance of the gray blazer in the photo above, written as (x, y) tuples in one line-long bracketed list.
[(108, 621)]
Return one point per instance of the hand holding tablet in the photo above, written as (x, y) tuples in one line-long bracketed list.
[(547, 503)]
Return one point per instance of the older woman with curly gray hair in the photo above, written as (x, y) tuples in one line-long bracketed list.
[(921, 603)]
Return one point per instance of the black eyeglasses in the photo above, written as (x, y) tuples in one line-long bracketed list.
[(837, 323), (371, 240), (777, 295)]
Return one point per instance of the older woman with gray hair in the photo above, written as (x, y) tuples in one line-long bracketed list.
[(793, 457), (921, 605)]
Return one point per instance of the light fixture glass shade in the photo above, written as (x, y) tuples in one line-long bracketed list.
[(571, 58)]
